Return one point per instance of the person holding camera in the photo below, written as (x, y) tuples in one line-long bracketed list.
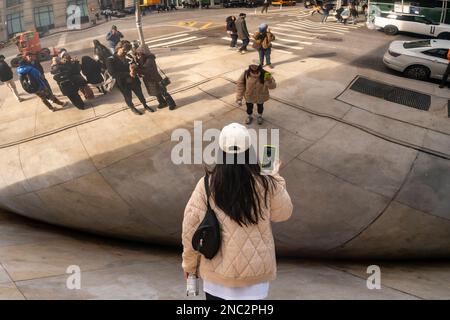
[(126, 76), (245, 203), (153, 81), (254, 85)]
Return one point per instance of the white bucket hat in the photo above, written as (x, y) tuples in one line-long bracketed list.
[(234, 138)]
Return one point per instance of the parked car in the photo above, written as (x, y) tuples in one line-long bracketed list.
[(118, 14), (129, 10), (392, 23), (420, 59)]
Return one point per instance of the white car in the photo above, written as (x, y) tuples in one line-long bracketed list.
[(392, 23), (419, 59)]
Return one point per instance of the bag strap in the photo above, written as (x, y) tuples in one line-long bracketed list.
[(206, 180)]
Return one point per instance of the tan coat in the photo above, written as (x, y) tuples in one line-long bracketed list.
[(252, 89), (247, 254), (266, 42)]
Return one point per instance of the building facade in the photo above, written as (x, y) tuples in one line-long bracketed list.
[(21, 15)]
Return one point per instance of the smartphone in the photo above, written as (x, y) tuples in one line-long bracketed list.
[(268, 158)]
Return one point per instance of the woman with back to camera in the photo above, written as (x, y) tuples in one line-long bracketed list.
[(245, 203)]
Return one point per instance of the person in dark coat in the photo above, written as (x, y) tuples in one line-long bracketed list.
[(242, 31), (33, 60), (101, 53), (92, 70), (6, 76), (232, 31), (148, 69), (65, 75), (126, 76)]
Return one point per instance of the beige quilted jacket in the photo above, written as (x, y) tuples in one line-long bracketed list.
[(247, 254), (252, 89)]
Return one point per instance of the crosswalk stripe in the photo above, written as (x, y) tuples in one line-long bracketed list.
[(334, 26), (174, 41), (294, 41), (305, 30), (275, 44), (287, 46), (166, 38), (296, 29), (206, 25), (290, 33), (313, 28)]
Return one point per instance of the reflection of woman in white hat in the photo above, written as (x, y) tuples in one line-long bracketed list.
[(244, 202)]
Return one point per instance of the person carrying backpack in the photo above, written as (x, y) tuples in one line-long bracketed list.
[(232, 31), (254, 85), (263, 43), (6, 76), (245, 203), (32, 82)]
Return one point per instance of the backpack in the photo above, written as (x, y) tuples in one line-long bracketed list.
[(29, 83), (206, 238)]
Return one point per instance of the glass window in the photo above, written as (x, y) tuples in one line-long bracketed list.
[(10, 3), (14, 22), (43, 17), (438, 53), (417, 44)]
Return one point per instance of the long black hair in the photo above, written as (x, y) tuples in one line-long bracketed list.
[(236, 188)]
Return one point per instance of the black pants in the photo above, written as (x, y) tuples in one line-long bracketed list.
[(233, 42), (250, 108), (245, 43), (445, 76), (127, 89), (164, 98), (76, 100), (211, 297), (265, 8)]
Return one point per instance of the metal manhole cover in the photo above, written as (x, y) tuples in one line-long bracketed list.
[(394, 94)]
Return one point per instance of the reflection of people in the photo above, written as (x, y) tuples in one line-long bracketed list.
[(6, 76), (39, 85), (148, 69), (265, 7), (245, 203), (242, 31), (65, 76), (232, 31), (113, 37), (263, 39), (254, 85), (126, 76)]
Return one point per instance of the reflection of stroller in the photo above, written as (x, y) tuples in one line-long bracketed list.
[(343, 15)]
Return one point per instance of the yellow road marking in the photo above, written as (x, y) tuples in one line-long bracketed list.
[(206, 25)]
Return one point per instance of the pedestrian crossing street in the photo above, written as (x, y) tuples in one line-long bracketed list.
[(298, 32)]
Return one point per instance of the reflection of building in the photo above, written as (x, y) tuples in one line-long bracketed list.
[(437, 10), (21, 15)]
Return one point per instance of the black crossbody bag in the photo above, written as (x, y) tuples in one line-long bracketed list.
[(207, 239)]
